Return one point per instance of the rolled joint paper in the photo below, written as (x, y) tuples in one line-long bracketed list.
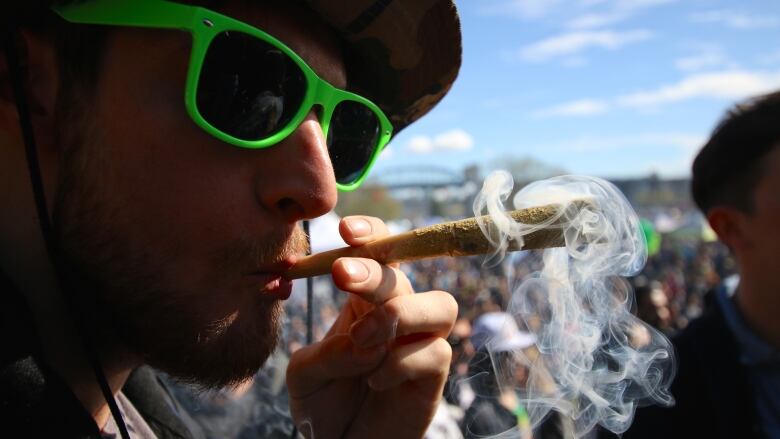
[(455, 238)]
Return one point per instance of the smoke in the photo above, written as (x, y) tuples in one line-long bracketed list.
[(594, 362)]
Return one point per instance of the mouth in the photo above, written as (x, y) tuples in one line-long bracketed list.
[(270, 280)]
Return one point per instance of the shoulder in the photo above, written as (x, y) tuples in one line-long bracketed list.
[(159, 407), (36, 401), (709, 379)]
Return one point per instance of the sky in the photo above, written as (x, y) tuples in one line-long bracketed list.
[(609, 88)]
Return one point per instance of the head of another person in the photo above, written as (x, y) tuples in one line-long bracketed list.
[(178, 162), (736, 182)]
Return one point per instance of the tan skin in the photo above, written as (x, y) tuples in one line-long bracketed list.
[(754, 238), (382, 366)]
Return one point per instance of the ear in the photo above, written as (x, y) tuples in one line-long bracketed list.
[(37, 59), (731, 227)]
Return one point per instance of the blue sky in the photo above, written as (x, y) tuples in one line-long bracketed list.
[(611, 88)]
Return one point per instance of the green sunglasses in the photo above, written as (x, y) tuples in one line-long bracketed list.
[(249, 89)]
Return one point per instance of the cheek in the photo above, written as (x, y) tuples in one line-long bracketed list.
[(176, 190)]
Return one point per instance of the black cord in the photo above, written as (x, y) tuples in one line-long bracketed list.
[(309, 306), (25, 123), (309, 293)]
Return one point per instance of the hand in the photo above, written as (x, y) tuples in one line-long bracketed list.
[(380, 370)]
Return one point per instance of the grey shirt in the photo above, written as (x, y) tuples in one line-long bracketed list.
[(136, 426)]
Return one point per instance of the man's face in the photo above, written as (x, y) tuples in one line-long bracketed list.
[(184, 235), (761, 226)]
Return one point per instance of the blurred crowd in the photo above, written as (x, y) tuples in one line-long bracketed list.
[(678, 282), (674, 287)]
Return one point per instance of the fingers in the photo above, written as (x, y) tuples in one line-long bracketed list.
[(425, 359), (370, 280), (431, 313), (359, 229), (314, 366)]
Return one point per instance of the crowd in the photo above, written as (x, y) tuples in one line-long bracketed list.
[(674, 287)]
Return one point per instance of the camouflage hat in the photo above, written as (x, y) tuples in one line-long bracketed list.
[(404, 54)]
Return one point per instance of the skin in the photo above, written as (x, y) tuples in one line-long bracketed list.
[(754, 239), (176, 222)]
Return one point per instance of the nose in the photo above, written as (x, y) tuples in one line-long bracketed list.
[(298, 182)]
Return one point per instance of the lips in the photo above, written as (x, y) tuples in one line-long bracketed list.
[(274, 285), (270, 280)]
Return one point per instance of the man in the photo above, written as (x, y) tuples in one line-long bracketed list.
[(178, 149), (728, 382)]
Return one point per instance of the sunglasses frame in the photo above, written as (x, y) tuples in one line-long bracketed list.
[(204, 25)]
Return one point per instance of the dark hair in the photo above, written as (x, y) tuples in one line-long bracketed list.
[(729, 166)]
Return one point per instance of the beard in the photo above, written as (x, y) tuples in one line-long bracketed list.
[(216, 334)]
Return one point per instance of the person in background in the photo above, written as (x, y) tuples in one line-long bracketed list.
[(499, 370), (462, 353), (728, 379)]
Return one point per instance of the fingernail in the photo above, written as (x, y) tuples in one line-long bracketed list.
[(357, 271), (363, 330), (359, 227)]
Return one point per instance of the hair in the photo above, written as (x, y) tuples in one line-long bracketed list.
[(730, 165)]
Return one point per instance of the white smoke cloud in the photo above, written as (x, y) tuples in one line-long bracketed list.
[(594, 361)]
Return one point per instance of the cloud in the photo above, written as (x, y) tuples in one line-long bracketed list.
[(582, 107), (570, 43), (581, 14), (734, 85), (523, 9), (595, 20), (729, 85), (586, 144), (736, 20), (387, 153), (616, 12), (703, 60), (454, 140)]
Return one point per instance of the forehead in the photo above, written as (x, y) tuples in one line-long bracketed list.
[(296, 26)]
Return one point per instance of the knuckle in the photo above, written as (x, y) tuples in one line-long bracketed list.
[(394, 309), (441, 352), (448, 304)]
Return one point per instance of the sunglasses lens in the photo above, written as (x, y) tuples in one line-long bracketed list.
[(248, 88), (352, 138)]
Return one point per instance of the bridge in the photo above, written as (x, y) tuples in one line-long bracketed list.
[(426, 177)]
